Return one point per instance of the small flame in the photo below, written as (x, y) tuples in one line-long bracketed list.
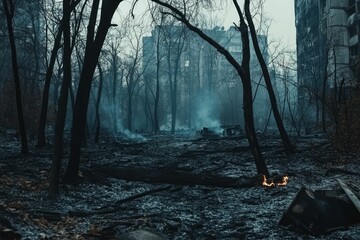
[(284, 181), (270, 183), (265, 182)]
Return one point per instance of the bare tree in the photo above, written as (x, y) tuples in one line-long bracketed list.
[(61, 114), (289, 148), (49, 72), (133, 72), (159, 57), (116, 72), (9, 10), (98, 99), (94, 43), (175, 40)]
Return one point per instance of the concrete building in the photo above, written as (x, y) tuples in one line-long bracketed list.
[(327, 36), (327, 42)]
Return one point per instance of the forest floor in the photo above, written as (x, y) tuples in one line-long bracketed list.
[(102, 207)]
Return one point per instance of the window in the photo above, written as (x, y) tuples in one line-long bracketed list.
[(352, 30), (353, 51)]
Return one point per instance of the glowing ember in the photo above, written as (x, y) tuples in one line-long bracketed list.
[(270, 183), (265, 182), (284, 181)]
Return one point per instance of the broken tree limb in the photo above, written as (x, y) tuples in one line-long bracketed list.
[(238, 149), (115, 206), (193, 153), (176, 177), (139, 195), (350, 194)]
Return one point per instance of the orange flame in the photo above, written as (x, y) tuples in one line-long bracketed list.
[(284, 181), (265, 182), (270, 183)]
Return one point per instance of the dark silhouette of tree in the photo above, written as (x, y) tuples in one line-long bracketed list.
[(97, 107), (289, 148), (8, 6), (116, 73), (63, 101), (244, 72), (175, 40), (156, 123), (49, 72), (133, 72), (41, 142), (94, 43)]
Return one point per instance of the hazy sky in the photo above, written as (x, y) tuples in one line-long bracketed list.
[(280, 11)]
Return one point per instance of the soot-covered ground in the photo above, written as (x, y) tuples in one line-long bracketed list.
[(102, 207)]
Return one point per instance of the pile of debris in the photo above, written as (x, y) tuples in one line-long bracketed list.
[(221, 131), (322, 211)]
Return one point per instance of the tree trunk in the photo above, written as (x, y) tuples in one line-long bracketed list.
[(115, 77), (174, 104), (93, 48), (324, 83), (9, 12), (170, 76), (174, 94), (129, 118), (62, 107), (289, 148), (98, 125), (157, 90), (156, 106), (248, 100), (41, 142)]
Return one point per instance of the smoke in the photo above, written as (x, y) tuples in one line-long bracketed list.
[(128, 134), (207, 115)]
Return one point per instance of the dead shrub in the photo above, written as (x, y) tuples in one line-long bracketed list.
[(346, 137)]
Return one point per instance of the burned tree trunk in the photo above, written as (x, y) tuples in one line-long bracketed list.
[(41, 142), (98, 125), (176, 177), (9, 12), (94, 45), (289, 148), (157, 90), (62, 106), (248, 99)]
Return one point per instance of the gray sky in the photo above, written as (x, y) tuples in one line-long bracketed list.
[(281, 12)]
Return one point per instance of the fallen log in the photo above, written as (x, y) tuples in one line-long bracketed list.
[(117, 205), (238, 149), (350, 194), (176, 177)]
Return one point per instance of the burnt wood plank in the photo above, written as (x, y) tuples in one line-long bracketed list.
[(177, 177), (350, 194)]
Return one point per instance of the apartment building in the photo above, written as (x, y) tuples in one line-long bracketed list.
[(327, 43), (327, 38)]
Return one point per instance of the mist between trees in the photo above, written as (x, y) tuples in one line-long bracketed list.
[(174, 68)]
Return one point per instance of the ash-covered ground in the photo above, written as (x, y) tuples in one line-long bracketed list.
[(103, 208)]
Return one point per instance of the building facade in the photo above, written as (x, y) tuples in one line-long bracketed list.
[(327, 38)]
